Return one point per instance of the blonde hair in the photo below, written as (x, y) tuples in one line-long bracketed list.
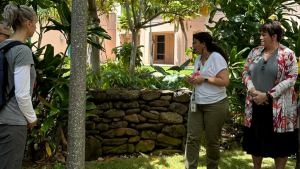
[(15, 15)]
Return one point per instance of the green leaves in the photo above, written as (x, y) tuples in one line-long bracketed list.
[(47, 123), (100, 32), (185, 64), (160, 70), (238, 18), (171, 78), (44, 4), (91, 107), (53, 111), (232, 54), (123, 54)]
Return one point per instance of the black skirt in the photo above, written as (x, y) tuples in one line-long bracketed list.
[(260, 139)]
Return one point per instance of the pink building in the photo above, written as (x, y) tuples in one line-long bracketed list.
[(168, 44)]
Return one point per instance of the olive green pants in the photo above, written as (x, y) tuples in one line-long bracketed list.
[(209, 118)]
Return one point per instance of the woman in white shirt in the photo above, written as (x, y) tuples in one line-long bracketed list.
[(209, 102), (17, 114)]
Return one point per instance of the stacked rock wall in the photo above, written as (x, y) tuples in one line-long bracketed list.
[(136, 121)]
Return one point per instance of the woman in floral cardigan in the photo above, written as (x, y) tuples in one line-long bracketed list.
[(269, 75)]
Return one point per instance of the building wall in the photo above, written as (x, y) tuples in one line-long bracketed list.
[(174, 44), (59, 43), (109, 24), (55, 38)]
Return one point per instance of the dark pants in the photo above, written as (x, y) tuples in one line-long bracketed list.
[(12, 146), (209, 118)]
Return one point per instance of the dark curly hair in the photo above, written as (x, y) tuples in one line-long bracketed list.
[(211, 47), (273, 27)]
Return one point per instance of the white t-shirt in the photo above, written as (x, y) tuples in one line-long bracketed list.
[(207, 93)]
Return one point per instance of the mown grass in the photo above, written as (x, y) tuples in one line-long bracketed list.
[(235, 159), (229, 160), (183, 72)]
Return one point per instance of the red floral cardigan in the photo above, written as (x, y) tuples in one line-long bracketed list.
[(285, 118)]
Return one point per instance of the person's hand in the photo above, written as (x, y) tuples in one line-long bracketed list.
[(253, 92), (198, 79), (188, 78), (260, 98), (30, 126)]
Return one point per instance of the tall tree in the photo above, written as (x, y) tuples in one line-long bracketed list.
[(98, 8), (138, 17), (95, 21), (77, 104)]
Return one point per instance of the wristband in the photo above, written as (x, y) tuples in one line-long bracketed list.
[(206, 79), (268, 95)]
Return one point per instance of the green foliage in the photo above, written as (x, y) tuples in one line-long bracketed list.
[(113, 75), (64, 26), (123, 53), (293, 36), (240, 32), (236, 90), (52, 90), (194, 56), (35, 4), (173, 81), (244, 19)]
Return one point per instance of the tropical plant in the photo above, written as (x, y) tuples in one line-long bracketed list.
[(194, 56), (52, 89), (173, 81), (64, 26), (236, 91), (140, 13), (123, 54), (244, 18)]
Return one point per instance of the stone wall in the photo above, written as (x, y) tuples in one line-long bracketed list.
[(136, 121)]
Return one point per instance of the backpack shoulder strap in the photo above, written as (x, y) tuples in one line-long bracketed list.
[(7, 47)]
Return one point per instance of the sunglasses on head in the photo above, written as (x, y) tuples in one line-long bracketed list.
[(264, 65), (4, 34)]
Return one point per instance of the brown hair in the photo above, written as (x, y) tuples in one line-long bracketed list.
[(211, 47), (273, 27)]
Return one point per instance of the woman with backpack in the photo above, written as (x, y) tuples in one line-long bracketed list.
[(18, 114)]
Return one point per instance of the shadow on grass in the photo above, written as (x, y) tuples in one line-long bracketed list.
[(236, 159), (132, 163)]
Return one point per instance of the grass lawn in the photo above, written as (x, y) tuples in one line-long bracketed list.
[(236, 159), (229, 160), (183, 72)]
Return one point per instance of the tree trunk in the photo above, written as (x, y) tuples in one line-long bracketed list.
[(186, 45), (95, 23), (185, 37), (151, 47), (77, 104), (40, 35), (101, 52), (89, 55), (133, 51)]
